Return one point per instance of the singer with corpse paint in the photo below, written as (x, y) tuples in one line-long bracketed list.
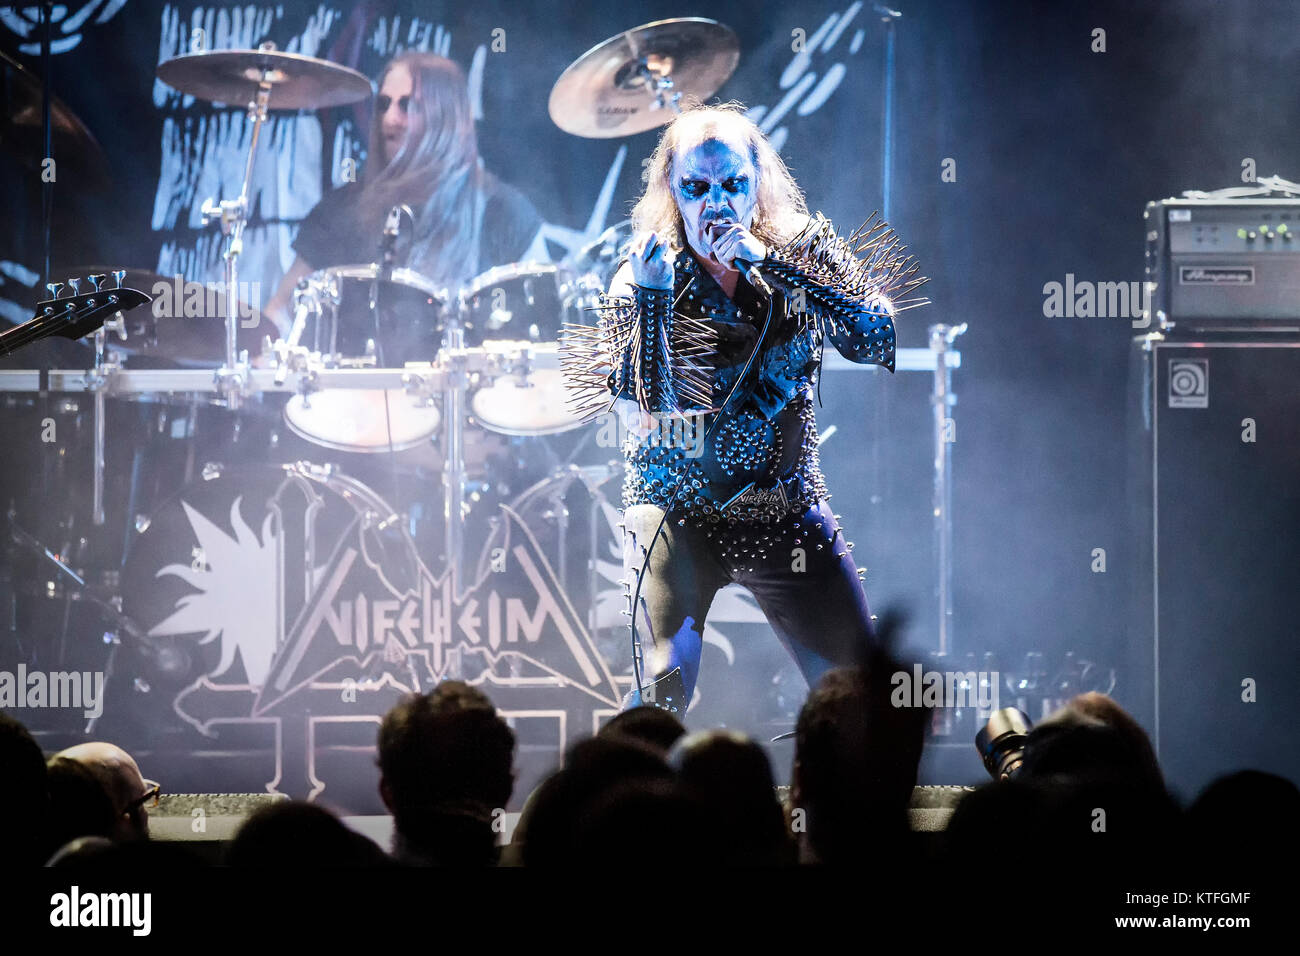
[(718, 316), (459, 219)]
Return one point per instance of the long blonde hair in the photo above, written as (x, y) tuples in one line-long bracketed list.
[(779, 208)]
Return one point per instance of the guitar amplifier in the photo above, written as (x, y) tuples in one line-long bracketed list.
[(1220, 264)]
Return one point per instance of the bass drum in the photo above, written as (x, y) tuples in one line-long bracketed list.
[(219, 573), (573, 515)]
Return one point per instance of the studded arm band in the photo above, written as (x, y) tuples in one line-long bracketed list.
[(642, 350), (848, 289)]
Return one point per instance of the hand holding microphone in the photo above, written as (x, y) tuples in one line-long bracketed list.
[(736, 247)]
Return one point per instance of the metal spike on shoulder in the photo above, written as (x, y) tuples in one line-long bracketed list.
[(848, 288)]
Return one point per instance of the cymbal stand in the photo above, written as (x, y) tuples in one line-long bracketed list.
[(942, 400), (233, 214), (289, 355), (660, 83)]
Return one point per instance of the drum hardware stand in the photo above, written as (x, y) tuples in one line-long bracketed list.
[(289, 355), (304, 301), (233, 214), (111, 607), (96, 382), (942, 400), (454, 360), (295, 358), (559, 513)]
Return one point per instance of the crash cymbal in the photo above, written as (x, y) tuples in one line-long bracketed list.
[(185, 328), (21, 132), (628, 83), (231, 77)]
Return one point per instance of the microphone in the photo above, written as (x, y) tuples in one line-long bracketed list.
[(755, 278), (392, 228), (748, 269)]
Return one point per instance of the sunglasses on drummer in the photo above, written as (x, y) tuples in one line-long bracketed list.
[(383, 102)]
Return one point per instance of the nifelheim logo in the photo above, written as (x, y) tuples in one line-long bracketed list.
[(361, 640)]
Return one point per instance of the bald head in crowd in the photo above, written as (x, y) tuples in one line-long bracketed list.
[(118, 774)]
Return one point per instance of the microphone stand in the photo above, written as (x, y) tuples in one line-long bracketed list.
[(387, 260), (47, 134), (889, 18)]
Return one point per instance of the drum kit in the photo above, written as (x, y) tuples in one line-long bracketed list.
[(381, 370)]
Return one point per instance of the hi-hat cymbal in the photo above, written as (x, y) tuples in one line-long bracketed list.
[(625, 84), (231, 76)]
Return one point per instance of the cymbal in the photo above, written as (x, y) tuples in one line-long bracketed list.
[(191, 332), (21, 134), (617, 87), (231, 76)]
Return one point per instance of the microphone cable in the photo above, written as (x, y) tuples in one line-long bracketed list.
[(645, 563)]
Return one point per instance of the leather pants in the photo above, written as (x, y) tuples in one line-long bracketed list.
[(799, 570)]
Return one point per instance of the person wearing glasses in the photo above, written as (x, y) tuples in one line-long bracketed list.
[(119, 775), (423, 153)]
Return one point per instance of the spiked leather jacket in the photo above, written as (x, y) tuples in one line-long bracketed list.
[(679, 354)]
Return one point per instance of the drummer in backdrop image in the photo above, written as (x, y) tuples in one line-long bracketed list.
[(716, 322), (423, 153)]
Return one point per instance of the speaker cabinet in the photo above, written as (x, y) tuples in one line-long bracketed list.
[(1216, 484)]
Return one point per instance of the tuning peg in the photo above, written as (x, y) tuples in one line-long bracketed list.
[(98, 280), (75, 283), (119, 275), (54, 288)]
